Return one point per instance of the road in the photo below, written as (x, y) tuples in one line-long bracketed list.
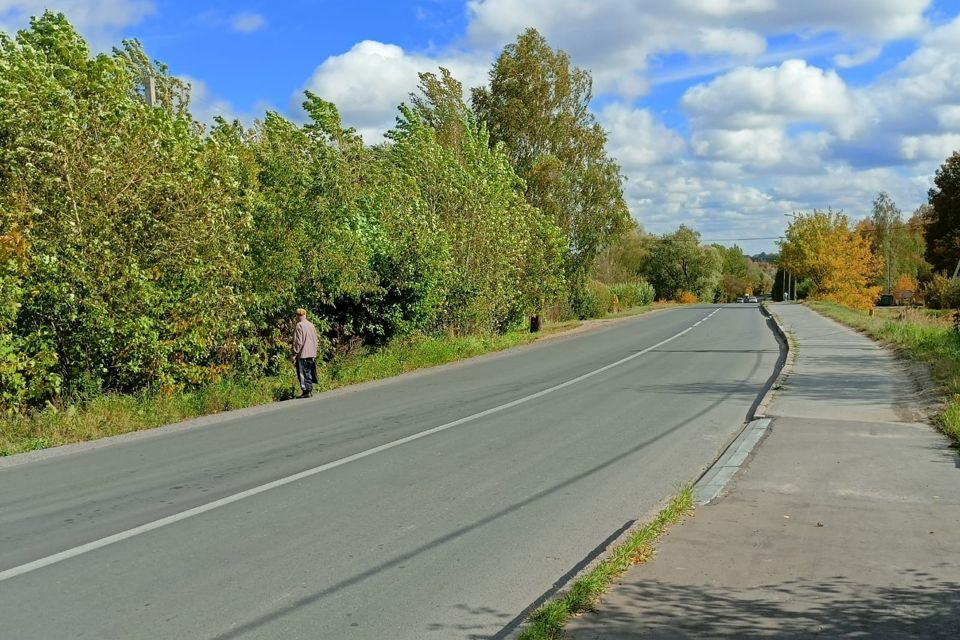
[(440, 504)]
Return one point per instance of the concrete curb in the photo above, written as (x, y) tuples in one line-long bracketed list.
[(709, 485), (785, 363), (716, 478), (706, 487)]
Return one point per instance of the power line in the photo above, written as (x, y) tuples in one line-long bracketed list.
[(741, 239)]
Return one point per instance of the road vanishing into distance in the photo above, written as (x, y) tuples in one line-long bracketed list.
[(440, 504)]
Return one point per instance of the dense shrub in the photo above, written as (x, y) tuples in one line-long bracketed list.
[(596, 301), (632, 294), (942, 292), (142, 251)]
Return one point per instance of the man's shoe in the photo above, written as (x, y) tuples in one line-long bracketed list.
[(306, 394)]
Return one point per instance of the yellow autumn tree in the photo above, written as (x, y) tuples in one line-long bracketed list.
[(838, 261), (905, 288)]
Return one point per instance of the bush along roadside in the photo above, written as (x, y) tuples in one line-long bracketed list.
[(549, 620), (927, 337), (114, 414)]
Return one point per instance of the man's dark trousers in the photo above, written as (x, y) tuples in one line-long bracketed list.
[(306, 374)]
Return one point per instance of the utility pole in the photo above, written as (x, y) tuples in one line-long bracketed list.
[(788, 278), (887, 242), (150, 91)]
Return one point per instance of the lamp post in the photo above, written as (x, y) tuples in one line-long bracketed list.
[(790, 280)]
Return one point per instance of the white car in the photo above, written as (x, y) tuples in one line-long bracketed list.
[(740, 299), (752, 299)]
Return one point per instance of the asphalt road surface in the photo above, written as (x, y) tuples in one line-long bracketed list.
[(440, 504)]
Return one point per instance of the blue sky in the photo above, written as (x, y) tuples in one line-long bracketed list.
[(724, 114)]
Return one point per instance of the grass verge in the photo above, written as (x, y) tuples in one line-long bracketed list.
[(548, 621), (923, 336), (115, 414)]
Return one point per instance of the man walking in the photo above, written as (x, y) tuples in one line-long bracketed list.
[(305, 353)]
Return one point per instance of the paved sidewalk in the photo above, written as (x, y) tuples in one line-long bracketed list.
[(844, 523)]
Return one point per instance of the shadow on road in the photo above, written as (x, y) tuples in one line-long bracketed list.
[(272, 616)]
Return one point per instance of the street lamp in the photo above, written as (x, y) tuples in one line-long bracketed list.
[(789, 279)]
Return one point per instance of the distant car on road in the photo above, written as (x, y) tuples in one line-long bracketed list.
[(752, 299), (740, 299)]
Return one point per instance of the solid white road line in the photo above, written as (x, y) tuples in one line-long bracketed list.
[(210, 506)]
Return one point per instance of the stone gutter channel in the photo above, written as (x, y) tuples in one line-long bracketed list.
[(714, 479)]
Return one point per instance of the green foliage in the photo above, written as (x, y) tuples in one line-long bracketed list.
[(597, 301), (633, 294), (942, 292), (899, 244), (506, 254), (625, 258), (537, 105), (740, 275), (601, 299), (942, 231), (134, 261), (679, 263), (142, 252)]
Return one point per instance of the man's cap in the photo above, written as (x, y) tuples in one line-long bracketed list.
[(301, 311)]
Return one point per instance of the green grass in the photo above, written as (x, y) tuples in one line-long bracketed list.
[(115, 414), (549, 620), (922, 335)]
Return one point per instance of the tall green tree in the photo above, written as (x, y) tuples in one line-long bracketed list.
[(624, 259), (679, 263), (943, 226), (537, 105), (900, 244), (505, 253), (740, 275), (127, 214)]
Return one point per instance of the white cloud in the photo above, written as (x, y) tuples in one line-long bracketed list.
[(793, 92), (850, 60), (731, 41), (926, 81), (97, 20), (247, 22), (747, 146), (626, 38), (882, 19), (637, 140), (204, 105), (948, 116), (930, 147), (849, 189), (369, 81), (728, 8)]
